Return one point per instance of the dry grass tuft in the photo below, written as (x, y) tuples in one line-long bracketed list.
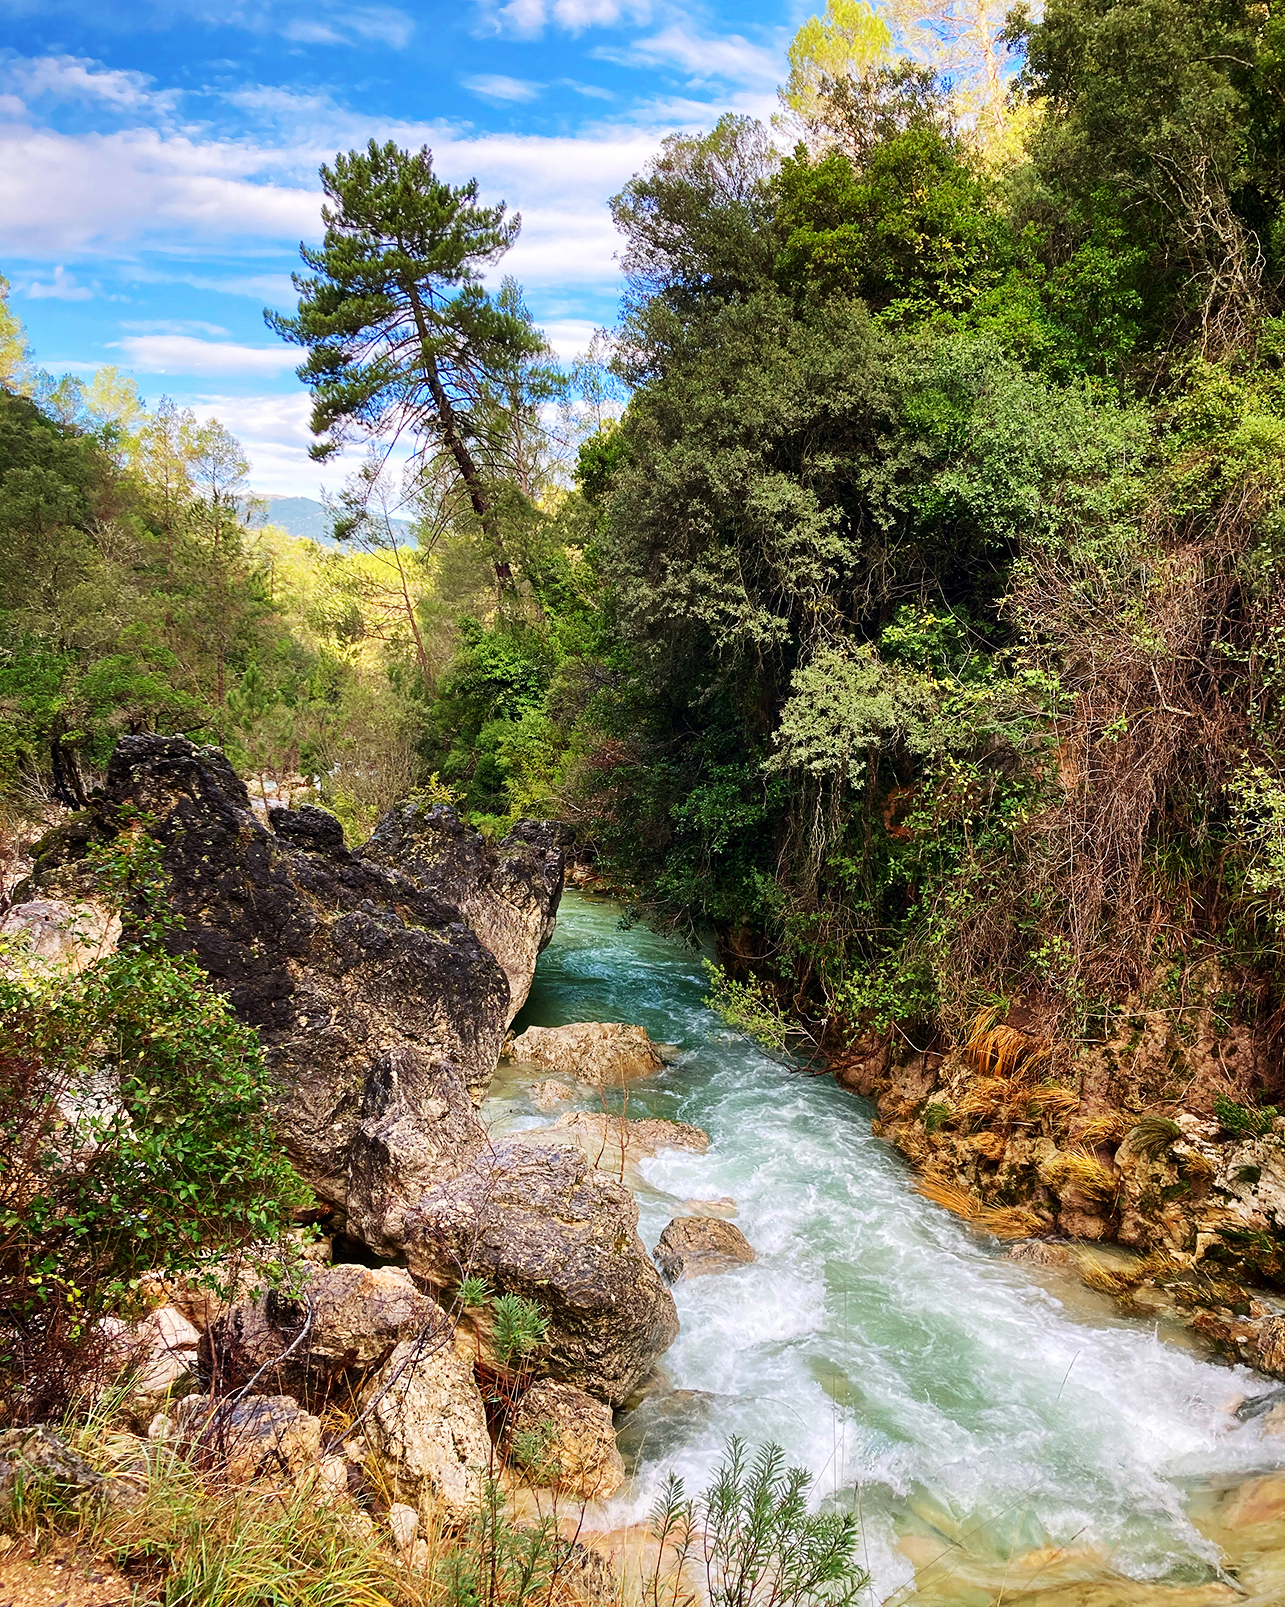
[(1080, 1169), (1108, 1129), (997, 1050), (1106, 1280), (1196, 1165), (955, 1198), (1008, 1221), (1157, 1264), (1052, 1099)]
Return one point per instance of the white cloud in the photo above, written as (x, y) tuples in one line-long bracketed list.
[(727, 56), (62, 287), (496, 87), (383, 25), (77, 78), (187, 355), (63, 195), (171, 326), (274, 432), (569, 337), (114, 195), (527, 18)]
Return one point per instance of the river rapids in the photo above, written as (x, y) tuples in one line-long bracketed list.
[(998, 1426)]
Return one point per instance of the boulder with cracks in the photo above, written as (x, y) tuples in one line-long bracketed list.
[(545, 1225)]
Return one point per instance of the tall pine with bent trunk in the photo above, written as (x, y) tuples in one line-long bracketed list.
[(401, 337)]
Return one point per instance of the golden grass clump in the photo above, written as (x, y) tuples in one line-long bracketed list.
[(1105, 1279), (1080, 1169), (1157, 1264), (1009, 1221), (1196, 1164), (1108, 1129), (984, 1099), (997, 1050), (953, 1196), (1052, 1099)]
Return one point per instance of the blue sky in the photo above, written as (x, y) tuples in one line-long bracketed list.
[(158, 162)]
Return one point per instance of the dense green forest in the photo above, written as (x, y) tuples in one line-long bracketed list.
[(897, 590)]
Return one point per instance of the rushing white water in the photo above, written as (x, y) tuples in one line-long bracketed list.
[(893, 1352)]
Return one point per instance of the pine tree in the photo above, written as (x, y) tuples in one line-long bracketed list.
[(401, 336)]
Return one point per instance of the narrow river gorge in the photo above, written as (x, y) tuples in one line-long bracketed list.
[(1004, 1434)]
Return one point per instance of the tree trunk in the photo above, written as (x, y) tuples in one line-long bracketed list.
[(455, 442)]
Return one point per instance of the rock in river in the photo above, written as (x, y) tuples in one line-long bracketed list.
[(542, 1223), (692, 1246), (597, 1052), (379, 1004)]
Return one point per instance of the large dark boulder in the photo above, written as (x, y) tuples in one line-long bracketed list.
[(507, 892), (380, 1007)]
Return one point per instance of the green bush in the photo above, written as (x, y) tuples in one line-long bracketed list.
[(134, 1138), (1244, 1121), (753, 1535)]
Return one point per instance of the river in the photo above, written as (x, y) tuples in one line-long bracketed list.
[(996, 1432)]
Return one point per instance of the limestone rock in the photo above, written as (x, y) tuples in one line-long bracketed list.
[(596, 1052), (1042, 1253), (542, 1223), (50, 932), (1271, 1346), (507, 892), (559, 1435), (422, 1127), (339, 958), (359, 1315), (161, 1350), (720, 1205), (550, 1093), (692, 1246), (616, 1144), (257, 1437), (31, 1456), (427, 1429)]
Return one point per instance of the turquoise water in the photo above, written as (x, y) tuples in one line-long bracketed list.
[(899, 1356)]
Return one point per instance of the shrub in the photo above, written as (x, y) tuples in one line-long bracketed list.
[(1243, 1121), (754, 1536), (134, 1137)]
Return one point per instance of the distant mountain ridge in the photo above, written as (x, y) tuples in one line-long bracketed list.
[(304, 517)]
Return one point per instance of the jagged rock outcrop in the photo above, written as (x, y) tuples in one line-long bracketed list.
[(358, 1317), (378, 1003), (596, 1052), (559, 1436), (692, 1246), (542, 1223), (507, 892)]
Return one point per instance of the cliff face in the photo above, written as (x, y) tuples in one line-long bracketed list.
[(380, 1003)]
